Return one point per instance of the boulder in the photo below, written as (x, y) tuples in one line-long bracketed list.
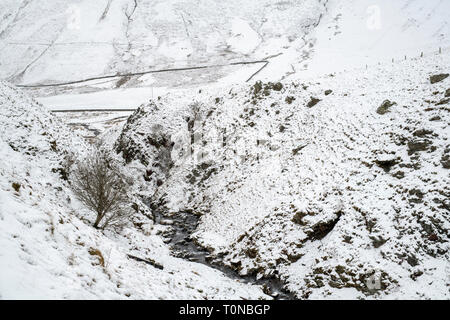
[(385, 106), (438, 77), (313, 102)]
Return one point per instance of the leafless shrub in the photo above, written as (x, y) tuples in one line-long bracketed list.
[(98, 183)]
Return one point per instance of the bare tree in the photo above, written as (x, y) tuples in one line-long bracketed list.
[(99, 185)]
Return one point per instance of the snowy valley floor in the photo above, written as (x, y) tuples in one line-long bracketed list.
[(320, 183)]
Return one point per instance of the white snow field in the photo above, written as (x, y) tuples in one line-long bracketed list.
[(323, 162)]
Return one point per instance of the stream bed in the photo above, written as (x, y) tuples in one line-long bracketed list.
[(183, 225)]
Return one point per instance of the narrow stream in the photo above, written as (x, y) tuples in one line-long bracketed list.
[(183, 225)]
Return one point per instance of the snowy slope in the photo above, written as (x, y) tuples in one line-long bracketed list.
[(322, 195), (70, 40), (75, 40), (355, 33), (48, 249)]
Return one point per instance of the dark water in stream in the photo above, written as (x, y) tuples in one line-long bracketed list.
[(183, 225)]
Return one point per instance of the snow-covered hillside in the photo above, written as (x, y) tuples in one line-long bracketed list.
[(359, 32), (70, 40), (74, 40), (49, 249), (322, 183)]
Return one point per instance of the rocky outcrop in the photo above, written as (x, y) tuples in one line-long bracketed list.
[(438, 77), (385, 107), (312, 102)]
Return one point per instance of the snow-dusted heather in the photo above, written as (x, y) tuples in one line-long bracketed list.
[(322, 182), (49, 250)]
